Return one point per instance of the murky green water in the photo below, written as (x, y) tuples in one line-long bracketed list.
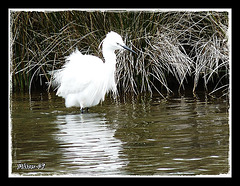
[(131, 136)]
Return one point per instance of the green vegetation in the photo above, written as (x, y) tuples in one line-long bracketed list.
[(182, 47)]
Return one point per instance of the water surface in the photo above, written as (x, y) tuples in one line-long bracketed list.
[(184, 135)]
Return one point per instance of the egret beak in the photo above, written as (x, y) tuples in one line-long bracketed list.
[(127, 48)]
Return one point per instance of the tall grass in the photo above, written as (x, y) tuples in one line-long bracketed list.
[(181, 46)]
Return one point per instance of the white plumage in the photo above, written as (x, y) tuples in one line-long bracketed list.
[(85, 79)]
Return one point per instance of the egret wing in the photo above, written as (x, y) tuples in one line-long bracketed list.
[(79, 72)]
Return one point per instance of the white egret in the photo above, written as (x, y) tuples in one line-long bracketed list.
[(85, 79)]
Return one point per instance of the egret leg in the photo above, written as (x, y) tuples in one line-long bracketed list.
[(81, 110)]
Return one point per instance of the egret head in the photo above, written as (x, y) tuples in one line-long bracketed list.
[(113, 41)]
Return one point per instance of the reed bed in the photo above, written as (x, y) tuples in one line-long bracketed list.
[(182, 46)]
